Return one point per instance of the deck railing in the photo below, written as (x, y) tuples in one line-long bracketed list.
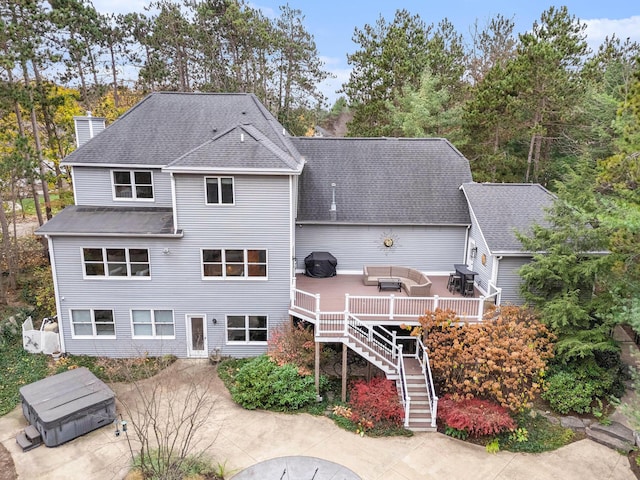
[(412, 308), (404, 309)]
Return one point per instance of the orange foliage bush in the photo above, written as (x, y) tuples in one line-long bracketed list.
[(501, 359), (289, 344)]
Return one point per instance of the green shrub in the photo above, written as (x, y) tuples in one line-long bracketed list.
[(158, 465), (577, 386), (541, 435), (565, 393), (260, 383)]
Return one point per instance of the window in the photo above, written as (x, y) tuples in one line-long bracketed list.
[(236, 263), (152, 323), (93, 323), (246, 328), (219, 190), (116, 262), (133, 184)]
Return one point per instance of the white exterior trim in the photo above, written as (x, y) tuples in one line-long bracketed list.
[(56, 293), (196, 353)]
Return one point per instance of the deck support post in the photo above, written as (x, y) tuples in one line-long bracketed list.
[(317, 369), (393, 340), (343, 393)]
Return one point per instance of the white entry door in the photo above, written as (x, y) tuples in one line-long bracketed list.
[(197, 335)]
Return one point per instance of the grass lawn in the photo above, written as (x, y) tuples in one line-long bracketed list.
[(18, 368), (57, 202)]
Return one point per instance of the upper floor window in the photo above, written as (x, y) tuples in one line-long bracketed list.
[(219, 190), (116, 262), (93, 323), (234, 263), (133, 184), (152, 323)]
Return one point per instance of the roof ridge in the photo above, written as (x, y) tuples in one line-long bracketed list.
[(270, 145)]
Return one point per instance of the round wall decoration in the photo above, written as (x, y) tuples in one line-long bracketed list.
[(388, 242), (484, 259)]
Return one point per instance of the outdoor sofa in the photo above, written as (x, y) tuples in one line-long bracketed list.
[(414, 282)]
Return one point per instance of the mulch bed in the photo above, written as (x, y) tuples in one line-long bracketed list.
[(7, 468)]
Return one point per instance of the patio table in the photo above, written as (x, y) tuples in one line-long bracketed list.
[(465, 273), (389, 284)]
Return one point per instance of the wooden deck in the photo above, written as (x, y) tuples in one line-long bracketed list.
[(333, 292)]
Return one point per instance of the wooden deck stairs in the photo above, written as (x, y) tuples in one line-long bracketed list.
[(377, 346), (419, 407)]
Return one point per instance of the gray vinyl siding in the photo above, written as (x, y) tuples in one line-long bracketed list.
[(93, 186), (509, 279), (87, 128), (427, 248), (259, 219)]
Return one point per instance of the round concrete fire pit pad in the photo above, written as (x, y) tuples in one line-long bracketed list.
[(296, 468)]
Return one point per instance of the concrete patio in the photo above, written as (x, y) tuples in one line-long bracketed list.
[(243, 438)]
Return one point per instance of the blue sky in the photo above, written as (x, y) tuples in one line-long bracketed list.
[(332, 22)]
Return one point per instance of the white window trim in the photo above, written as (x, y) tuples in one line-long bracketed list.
[(106, 276), (154, 336), (224, 276), (246, 329), (93, 324), (133, 197), (220, 204)]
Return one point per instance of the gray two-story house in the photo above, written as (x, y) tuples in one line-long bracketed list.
[(181, 238), (194, 214)]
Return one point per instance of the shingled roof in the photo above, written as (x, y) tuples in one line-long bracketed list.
[(383, 181), (165, 126), (239, 148), (501, 209), (78, 220)]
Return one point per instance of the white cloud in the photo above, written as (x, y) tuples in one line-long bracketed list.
[(600, 28), (331, 85), (120, 6)]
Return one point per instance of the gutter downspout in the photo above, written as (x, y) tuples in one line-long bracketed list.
[(174, 203), (292, 241), (466, 244)]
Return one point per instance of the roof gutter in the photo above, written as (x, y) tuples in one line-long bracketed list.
[(178, 234), (233, 171)]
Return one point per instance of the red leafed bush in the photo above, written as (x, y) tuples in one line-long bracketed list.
[(376, 400), (289, 344), (476, 417)]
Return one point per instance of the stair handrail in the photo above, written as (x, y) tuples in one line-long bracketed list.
[(405, 398), (422, 356), (395, 351), (374, 338)]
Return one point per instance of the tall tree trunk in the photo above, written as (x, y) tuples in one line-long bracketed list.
[(530, 157), (8, 255), (114, 75), (53, 139), (36, 137)]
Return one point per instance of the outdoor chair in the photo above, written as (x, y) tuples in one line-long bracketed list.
[(454, 282), (468, 287)]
